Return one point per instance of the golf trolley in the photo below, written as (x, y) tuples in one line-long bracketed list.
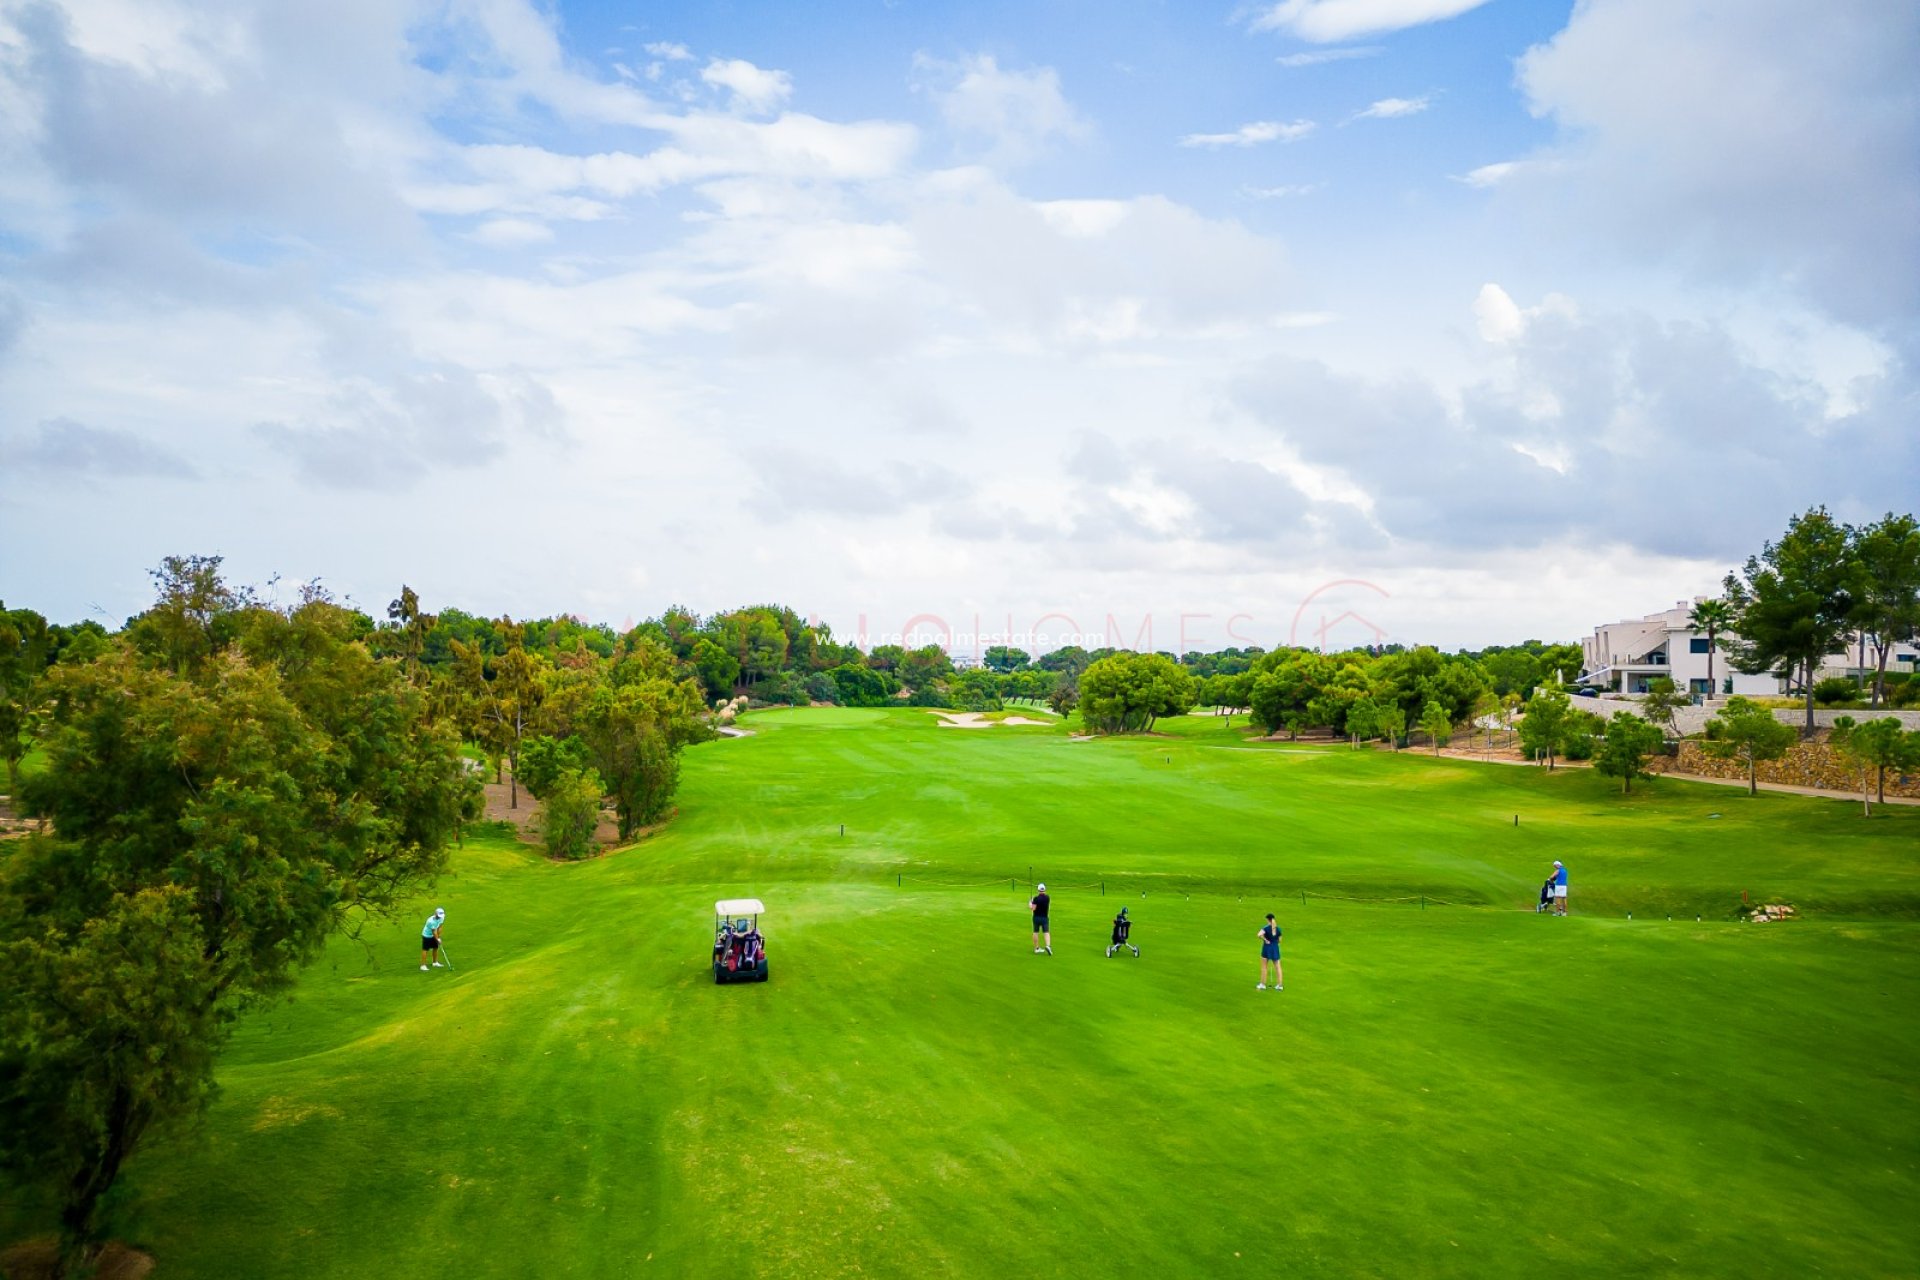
[(739, 952), (1122, 927)]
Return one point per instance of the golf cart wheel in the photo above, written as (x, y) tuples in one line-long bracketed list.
[(762, 975)]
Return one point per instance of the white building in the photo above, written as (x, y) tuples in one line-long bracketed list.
[(1625, 656)]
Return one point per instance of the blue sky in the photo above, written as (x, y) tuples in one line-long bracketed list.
[(1511, 316)]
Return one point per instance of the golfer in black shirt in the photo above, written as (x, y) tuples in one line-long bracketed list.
[(1042, 933)]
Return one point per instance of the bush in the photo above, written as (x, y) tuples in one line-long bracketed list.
[(570, 813), (821, 688), (1835, 690), (930, 696), (1579, 746)]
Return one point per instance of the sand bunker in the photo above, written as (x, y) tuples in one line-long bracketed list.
[(977, 720)]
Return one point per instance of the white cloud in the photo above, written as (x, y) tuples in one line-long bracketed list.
[(669, 50), (569, 266), (1008, 117), (1394, 108), (1752, 142), (1315, 57), (1498, 317), (1083, 219), (1492, 175), (511, 233), (754, 89), (1327, 21), (1283, 192), (1249, 135)]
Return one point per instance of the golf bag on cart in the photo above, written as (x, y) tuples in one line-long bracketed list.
[(1122, 928), (1546, 897)]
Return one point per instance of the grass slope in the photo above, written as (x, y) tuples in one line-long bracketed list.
[(1462, 1091)]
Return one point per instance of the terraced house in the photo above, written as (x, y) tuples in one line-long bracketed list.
[(1624, 657)]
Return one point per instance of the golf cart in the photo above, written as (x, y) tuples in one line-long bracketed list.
[(739, 952)]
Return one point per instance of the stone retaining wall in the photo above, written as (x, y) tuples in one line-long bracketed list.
[(1692, 720), (1806, 764)]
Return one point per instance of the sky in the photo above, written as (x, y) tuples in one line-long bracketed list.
[(1164, 325)]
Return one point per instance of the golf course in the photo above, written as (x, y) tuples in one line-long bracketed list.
[(1449, 1084)]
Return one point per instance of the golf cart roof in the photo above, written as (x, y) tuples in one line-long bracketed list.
[(738, 907)]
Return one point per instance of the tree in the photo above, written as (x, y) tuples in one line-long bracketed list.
[(635, 732), (25, 652), (1794, 600), (1392, 724), (1065, 696), (569, 813), (1624, 751), (1069, 660), (1003, 658), (1546, 723), (719, 671), (210, 827), (1512, 671), (1661, 700), (1127, 692), (856, 686), (1363, 720), (506, 695), (1747, 732), (194, 616), (1887, 599), (1713, 617), (923, 667), (544, 760), (413, 626), (1436, 724), (1876, 746)]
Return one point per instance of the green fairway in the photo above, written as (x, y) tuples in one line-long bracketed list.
[(1449, 1085)]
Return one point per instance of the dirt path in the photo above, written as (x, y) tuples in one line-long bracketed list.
[(526, 818), (1790, 789)]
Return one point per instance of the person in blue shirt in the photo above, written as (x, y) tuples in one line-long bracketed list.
[(430, 938), (1559, 888), (1269, 953)]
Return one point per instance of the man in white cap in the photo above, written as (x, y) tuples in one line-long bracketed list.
[(430, 938), (1042, 927), (1559, 888)]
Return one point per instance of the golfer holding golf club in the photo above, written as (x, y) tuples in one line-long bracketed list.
[(1042, 927), (430, 938)]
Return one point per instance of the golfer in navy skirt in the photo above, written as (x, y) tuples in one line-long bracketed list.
[(1269, 953)]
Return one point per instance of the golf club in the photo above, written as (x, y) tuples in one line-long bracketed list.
[(444, 957)]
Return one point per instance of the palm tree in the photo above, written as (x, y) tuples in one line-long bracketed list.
[(1712, 617)]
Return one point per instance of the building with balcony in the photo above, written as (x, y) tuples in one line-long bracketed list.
[(1624, 657)]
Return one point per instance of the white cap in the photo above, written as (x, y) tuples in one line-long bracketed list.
[(1043, 888), (1557, 862), (440, 911)]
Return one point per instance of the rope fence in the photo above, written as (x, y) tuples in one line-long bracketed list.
[(1129, 886)]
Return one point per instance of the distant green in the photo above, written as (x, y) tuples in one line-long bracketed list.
[(1445, 1090)]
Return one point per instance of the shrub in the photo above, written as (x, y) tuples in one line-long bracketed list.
[(929, 696), (1835, 690)]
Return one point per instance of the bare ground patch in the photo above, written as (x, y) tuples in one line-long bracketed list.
[(37, 1259)]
